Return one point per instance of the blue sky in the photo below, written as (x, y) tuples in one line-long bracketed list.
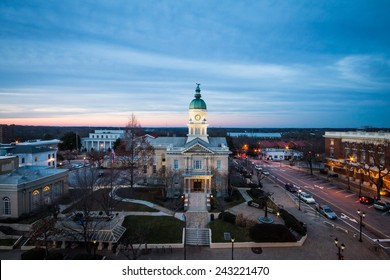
[(260, 63)]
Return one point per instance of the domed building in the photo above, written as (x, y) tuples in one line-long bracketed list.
[(196, 163)]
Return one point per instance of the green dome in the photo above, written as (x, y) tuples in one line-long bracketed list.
[(198, 102)]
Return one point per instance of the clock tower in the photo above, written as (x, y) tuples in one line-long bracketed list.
[(197, 123)]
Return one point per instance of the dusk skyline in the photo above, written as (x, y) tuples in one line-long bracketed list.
[(259, 63)]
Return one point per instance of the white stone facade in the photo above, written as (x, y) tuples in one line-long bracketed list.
[(101, 139)]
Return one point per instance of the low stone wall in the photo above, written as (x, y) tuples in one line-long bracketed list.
[(256, 245)]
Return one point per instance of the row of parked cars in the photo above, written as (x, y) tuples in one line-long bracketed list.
[(326, 210), (378, 204)]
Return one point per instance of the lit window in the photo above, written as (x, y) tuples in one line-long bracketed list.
[(176, 164), (331, 142), (197, 164), (36, 192), (6, 206), (47, 188)]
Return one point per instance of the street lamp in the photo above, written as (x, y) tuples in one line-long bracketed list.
[(232, 240), (185, 234), (299, 200), (362, 215), (94, 248), (340, 248)]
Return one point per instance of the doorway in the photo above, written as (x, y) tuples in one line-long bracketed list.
[(197, 185)]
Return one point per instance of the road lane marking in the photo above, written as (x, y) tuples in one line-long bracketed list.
[(339, 191), (343, 216), (320, 187), (350, 195)]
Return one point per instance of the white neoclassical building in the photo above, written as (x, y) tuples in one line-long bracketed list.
[(101, 139), (199, 162)]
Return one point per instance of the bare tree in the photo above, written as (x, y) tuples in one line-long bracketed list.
[(84, 223), (376, 168), (132, 243), (137, 152), (44, 228), (96, 157), (106, 197)]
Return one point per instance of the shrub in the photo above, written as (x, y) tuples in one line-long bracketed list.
[(256, 193), (227, 217), (240, 220), (34, 254), (291, 222), (271, 233), (250, 223)]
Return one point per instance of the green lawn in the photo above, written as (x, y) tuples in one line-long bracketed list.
[(154, 229), (219, 227)]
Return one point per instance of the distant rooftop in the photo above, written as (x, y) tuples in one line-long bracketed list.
[(28, 174), (255, 134)]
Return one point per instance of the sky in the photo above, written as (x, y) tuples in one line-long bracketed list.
[(260, 63)]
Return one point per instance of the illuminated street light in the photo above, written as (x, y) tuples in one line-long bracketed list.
[(340, 248), (362, 215)]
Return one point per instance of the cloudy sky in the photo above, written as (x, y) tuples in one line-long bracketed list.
[(259, 63)]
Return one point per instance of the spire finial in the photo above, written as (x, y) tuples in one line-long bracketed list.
[(197, 87)]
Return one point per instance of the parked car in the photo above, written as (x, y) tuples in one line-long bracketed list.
[(327, 212), (265, 172), (381, 205), (306, 197), (258, 167), (366, 200), (291, 187)]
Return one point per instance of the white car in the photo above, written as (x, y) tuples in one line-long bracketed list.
[(265, 172), (258, 167), (306, 197)]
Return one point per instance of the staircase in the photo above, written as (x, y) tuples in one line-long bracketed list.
[(198, 236)]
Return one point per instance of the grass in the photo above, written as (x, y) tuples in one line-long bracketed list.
[(101, 195), (219, 227), (155, 229), (7, 242)]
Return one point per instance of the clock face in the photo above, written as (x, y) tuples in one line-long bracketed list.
[(197, 117)]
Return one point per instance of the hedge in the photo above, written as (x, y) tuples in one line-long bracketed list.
[(292, 222), (271, 233)]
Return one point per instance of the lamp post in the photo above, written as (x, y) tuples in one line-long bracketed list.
[(340, 248), (299, 200), (94, 248), (362, 215), (185, 233), (232, 240)]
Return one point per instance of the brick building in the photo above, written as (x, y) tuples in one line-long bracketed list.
[(357, 154)]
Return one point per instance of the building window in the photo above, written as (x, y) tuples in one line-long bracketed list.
[(218, 181), (145, 168), (48, 163), (36, 158), (219, 165), (331, 142), (154, 169), (48, 156), (363, 156), (23, 160), (331, 152), (53, 163), (6, 206), (52, 155), (176, 164), (197, 164)]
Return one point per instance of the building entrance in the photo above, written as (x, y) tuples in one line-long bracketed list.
[(197, 185)]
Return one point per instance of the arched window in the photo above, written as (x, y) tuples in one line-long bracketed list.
[(6, 206)]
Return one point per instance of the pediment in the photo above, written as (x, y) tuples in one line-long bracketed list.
[(197, 149)]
